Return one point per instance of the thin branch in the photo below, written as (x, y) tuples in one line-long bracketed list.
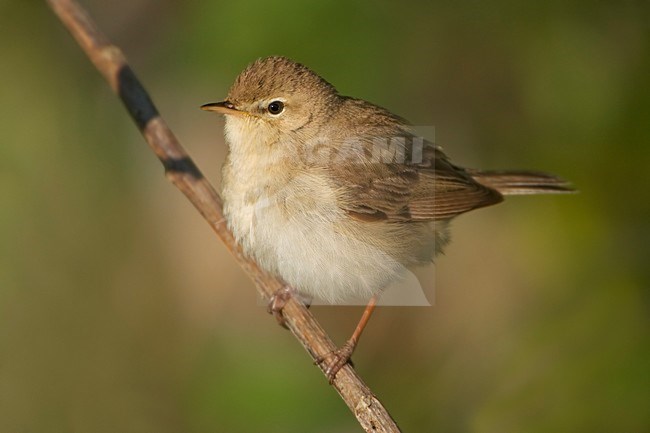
[(183, 173)]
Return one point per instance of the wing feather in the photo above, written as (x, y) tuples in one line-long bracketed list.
[(428, 190)]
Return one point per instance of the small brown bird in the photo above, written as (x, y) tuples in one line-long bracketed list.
[(338, 196)]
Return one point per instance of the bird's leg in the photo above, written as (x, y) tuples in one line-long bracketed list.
[(277, 302), (341, 356)]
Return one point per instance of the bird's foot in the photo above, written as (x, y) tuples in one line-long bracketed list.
[(277, 302), (336, 360)]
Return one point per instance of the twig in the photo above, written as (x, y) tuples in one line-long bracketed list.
[(183, 173)]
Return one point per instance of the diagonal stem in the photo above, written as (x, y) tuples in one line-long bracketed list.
[(184, 174)]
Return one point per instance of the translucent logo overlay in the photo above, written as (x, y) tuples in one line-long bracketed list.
[(296, 233)]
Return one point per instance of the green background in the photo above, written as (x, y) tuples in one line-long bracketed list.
[(121, 312)]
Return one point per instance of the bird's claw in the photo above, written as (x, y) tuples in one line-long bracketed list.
[(277, 302), (336, 360)]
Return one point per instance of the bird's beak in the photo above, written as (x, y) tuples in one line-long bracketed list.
[(223, 107)]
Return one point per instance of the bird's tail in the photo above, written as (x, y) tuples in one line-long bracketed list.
[(521, 182)]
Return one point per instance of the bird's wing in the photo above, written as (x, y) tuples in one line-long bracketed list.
[(430, 188)]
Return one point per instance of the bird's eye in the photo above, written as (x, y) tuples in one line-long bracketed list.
[(275, 107)]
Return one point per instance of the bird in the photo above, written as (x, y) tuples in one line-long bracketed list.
[(339, 197)]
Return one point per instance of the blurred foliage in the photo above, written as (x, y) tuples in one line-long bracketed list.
[(120, 312)]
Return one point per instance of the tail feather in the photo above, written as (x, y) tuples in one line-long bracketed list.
[(522, 182)]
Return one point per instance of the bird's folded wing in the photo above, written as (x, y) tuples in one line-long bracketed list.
[(429, 190)]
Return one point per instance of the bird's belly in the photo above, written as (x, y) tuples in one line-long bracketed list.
[(300, 234), (315, 256)]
